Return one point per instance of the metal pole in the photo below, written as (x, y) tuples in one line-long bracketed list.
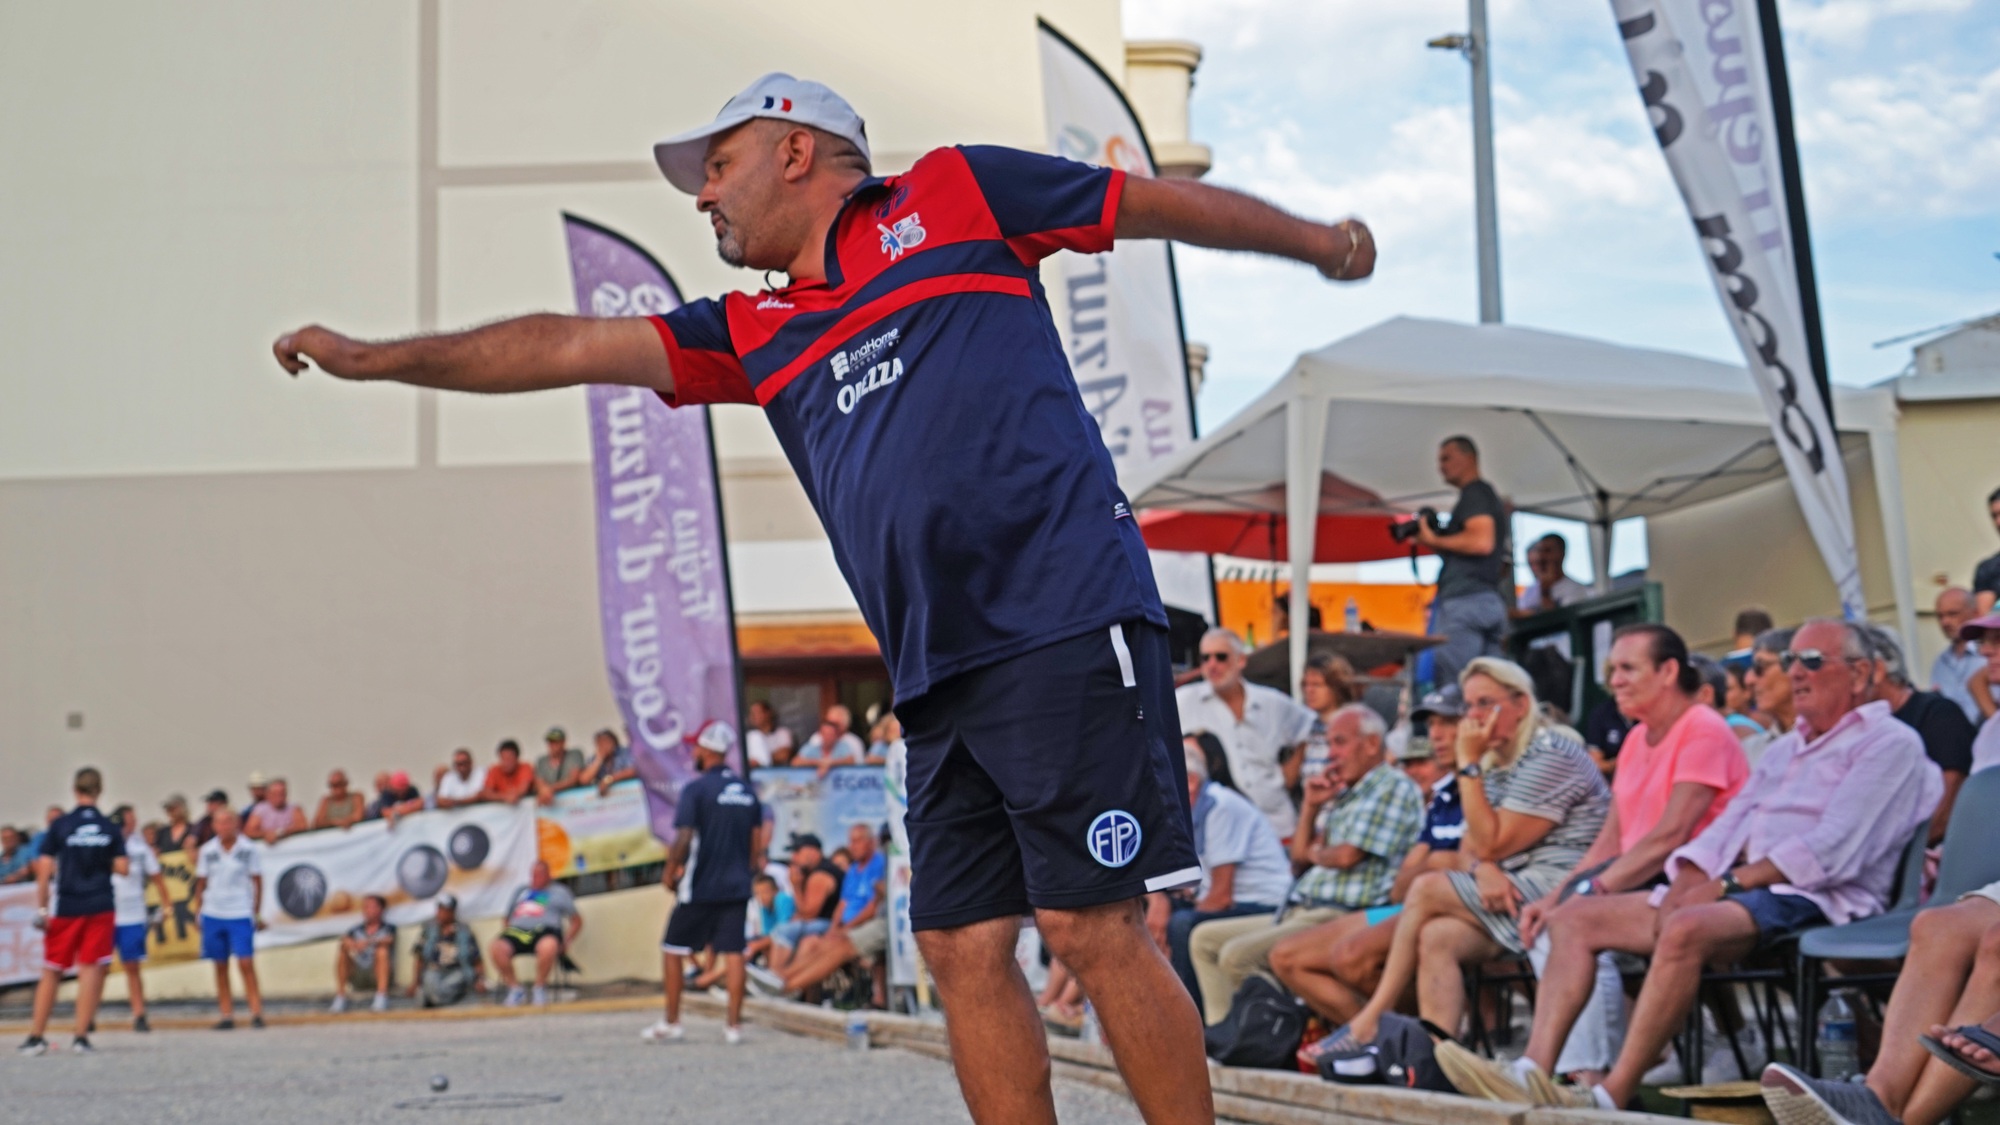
[(1488, 213)]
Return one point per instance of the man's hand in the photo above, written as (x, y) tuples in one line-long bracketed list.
[(527, 353), (1534, 916), (335, 354), (1205, 215), (1319, 789), (1496, 892), (1350, 254)]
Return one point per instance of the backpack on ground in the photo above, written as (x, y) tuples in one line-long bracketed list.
[(1403, 1054), (1262, 1029)]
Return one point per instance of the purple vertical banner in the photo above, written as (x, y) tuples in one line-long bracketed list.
[(662, 575)]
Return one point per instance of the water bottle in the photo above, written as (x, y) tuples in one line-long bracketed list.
[(857, 1031), (1353, 616), (1089, 1032), (1839, 1057)]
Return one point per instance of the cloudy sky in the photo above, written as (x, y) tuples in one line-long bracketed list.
[(1336, 108)]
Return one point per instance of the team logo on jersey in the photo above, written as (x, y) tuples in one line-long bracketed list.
[(772, 302), (896, 199), (878, 376), (904, 234), (89, 835), (733, 794), (1113, 838)]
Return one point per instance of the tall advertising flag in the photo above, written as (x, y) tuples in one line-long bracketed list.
[(662, 575), (1123, 327), (1711, 75)]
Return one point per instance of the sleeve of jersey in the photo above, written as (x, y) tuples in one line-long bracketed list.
[(1043, 204), (700, 354)]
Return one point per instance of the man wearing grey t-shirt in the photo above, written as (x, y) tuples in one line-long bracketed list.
[(1470, 610)]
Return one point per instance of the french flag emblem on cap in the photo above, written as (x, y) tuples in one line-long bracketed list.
[(782, 105)]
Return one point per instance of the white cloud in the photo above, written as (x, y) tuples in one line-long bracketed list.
[(1910, 140), (1848, 23)]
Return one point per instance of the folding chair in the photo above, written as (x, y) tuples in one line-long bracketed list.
[(1479, 1037), (1970, 859)]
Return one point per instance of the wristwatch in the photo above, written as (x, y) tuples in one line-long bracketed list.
[(1729, 884), (1474, 771)]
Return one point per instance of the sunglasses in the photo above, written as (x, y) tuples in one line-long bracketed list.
[(1812, 658), (1215, 657)]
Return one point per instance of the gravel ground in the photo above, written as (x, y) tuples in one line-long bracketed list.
[(566, 1068)]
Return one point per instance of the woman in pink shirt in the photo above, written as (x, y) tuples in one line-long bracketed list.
[(1677, 769)]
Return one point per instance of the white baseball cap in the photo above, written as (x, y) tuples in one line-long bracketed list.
[(777, 96), (716, 737)]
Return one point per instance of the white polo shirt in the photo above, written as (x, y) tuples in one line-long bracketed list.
[(451, 787), (228, 893), (1271, 721)]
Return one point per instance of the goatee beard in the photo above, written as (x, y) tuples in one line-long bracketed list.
[(729, 249)]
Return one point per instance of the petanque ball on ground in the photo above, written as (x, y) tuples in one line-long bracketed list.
[(440, 1083)]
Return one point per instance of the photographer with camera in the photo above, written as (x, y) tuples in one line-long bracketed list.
[(1470, 609)]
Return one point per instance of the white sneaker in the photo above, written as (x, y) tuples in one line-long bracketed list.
[(515, 994), (339, 1004), (764, 980), (381, 1003), (732, 1035), (541, 997), (663, 1032)]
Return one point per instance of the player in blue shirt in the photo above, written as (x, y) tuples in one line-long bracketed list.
[(719, 842), (918, 385), (80, 852)]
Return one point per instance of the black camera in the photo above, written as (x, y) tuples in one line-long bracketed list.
[(1405, 530)]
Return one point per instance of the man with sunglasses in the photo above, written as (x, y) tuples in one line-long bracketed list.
[(1813, 838), (1259, 727)]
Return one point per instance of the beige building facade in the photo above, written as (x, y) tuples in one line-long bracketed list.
[(207, 567)]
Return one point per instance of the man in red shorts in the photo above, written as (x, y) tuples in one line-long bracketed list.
[(80, 853)]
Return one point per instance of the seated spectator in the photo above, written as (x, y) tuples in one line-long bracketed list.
[(609, 764), (887, 729), (1260, 728), (1217, 758), (1955, 668), (1815, 837), (1533, 803), (1335, 965), (339, 808), (16, 862), (542, 922), (766, 743), (447, 959), (1950, 979), (1946, 734), (1244, 868), (1771, 689), (215, 802), (560, 767), (1551, 588), (1357, 821), (1326, 686), (365, 956), (1985, 632), (1739, 703), (816, 893), (508, 779), (178, 834), (394, 797), (459, 783), (1603, 735), (771, 907), (260, 787), (275, 817), (833, 744), (1680, 768), (859, 930)]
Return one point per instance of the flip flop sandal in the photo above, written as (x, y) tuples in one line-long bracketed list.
[(1958, 1062)]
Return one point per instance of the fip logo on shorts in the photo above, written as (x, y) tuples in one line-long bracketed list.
[(1113, 838)]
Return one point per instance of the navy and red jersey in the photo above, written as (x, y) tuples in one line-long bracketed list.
[(84, 843), (923, 396)]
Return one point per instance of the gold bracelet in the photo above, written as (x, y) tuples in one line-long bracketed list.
[(1354, 244)]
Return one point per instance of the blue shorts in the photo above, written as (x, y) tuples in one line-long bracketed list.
[(789, 934), (1052, 779), (1778, 916), (131, 941), (223, 938), (1375, 915)]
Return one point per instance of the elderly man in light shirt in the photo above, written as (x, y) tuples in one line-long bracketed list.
[(1952, 673), (1256, 725), (1813, 838)]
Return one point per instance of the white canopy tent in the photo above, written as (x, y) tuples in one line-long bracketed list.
[(1568, 427)]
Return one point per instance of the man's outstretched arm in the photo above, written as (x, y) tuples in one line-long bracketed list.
[(1203, 215), (528, 353)]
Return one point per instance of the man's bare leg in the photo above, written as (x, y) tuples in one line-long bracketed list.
[(135, 989), (1150, 1022), (1450, 941), (252, 995), (225, 1004), (1943, 943), (382, 966), (1429, 896), (818, 961), (1941, 1089), (1691, 937), (1309, 964), (732, 968), (546, 952), (1579, 930), (501, 953), (998, 1047), (45, 1001), (671, 968), (89, 992)]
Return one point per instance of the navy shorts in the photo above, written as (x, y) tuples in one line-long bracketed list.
[(1778, 916), (1052, 779), (701, 925)]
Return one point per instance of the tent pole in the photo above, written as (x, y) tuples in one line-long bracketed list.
[(1885, 452), (1305, 448), (1600, 555)]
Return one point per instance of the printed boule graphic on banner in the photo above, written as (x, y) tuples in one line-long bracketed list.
[(1700, 68), (662, 572), (582, 832), (314, 882)]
